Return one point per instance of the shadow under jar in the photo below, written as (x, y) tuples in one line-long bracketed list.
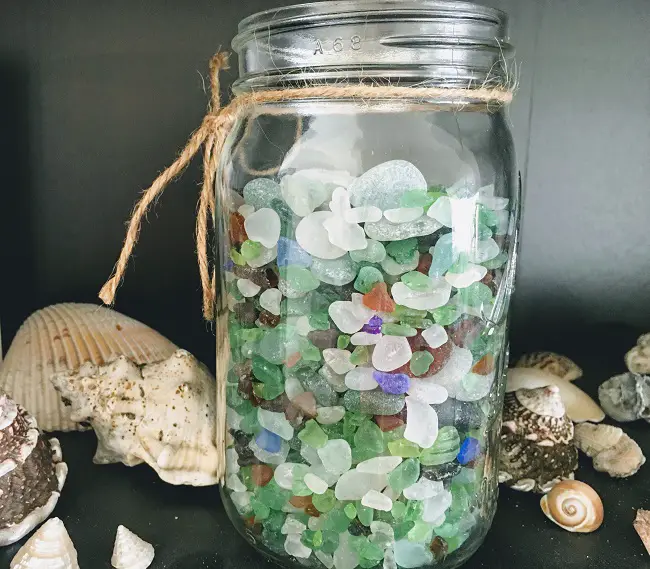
[(365, 264)]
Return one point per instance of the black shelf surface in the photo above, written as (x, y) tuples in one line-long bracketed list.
[(190, 530)]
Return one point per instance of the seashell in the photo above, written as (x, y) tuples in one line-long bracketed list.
[(161, 413), (638, 358), (537, 449), (579, 406), (130, 551), (626, 397), (642, 526), (542, 401), (32, 473), (622, 460), (61, 338), (613, 451), (592, 439), (550, 362), (574, 506), (49, 548)]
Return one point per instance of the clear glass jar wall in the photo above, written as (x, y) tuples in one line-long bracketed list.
[(367, 254)]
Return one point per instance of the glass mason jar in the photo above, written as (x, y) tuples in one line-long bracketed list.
[(366, 260)]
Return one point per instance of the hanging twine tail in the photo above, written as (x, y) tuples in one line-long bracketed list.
[(211, 135)]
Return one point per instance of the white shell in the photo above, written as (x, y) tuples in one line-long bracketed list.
[(130, 551), (638, 358), (613, 451), (542, 401), (49, 548), (592, 439), (61, 338), (162, 414), (579, 406), (32, 473)]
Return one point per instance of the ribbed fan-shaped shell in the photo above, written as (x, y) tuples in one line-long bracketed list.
[(60, 338)]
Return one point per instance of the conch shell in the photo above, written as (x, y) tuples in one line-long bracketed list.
[(613, 451), (638, 358), (49, 548), (130, 551), (579, 406), (32, 473), (642, 527), (162, 414), (574, 506), (550, 362), (61, 338)]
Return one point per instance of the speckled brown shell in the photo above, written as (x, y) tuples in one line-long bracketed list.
[(61, 338), (536, 450), (32, 473), (556, 364)]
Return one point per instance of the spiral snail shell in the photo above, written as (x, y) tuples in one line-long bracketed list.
[(574, 506)]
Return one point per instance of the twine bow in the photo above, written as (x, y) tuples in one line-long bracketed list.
[(212, 134)]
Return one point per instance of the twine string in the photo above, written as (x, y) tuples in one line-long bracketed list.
[(212, 134)]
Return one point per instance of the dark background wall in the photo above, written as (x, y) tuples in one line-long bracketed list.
[(97, 97)]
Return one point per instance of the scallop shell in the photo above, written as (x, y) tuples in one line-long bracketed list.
[(574, 506), (642, 527), (638, 358), (579, 406), (32, 473), (61, 338), (161, 413), (130, 551), (49, 548), (550, 362)]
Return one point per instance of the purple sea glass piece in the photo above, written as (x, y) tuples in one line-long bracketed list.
[(393, 383), (373, 326)]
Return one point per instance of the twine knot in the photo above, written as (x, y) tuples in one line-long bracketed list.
[(215, 128)]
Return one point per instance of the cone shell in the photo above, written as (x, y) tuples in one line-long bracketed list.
[(161, 413), (49, 548), (579, 406), (130, 551), (550, 362), (61, 338), (638, 358), (574, 506), (642, 527)]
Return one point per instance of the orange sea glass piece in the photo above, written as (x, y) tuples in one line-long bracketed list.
[(378, 299), (237, 230)]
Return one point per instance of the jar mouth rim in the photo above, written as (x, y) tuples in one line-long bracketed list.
[(324, 12)]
